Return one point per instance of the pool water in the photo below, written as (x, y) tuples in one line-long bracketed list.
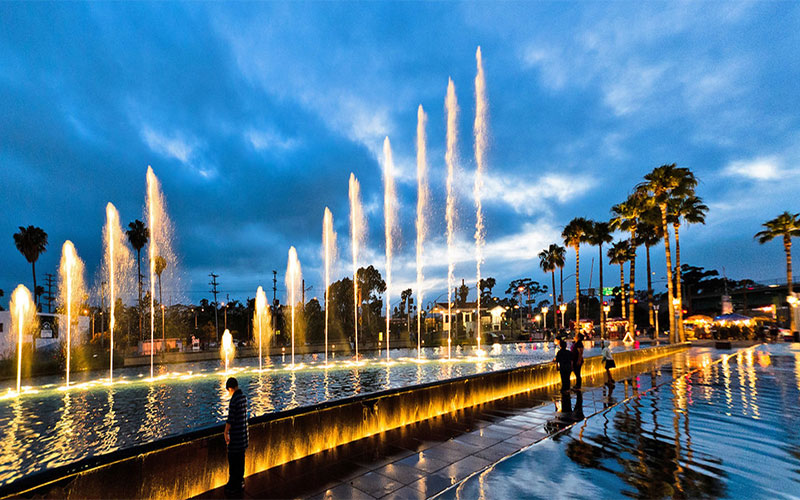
[(48, 426), (729, 430)]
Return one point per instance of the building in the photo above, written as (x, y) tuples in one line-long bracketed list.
[(48, 334)]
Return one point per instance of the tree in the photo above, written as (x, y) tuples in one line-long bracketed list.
[(648, 235), (159, 264), (559, 256), (575, 233), (405, 307), (626, 218), (485, 286), (692, 210), (785, 226), (601, 233), (547, 264), (462, 292), (31, 242), (620, 253), (662, 184), (138, 236), (370, 286)]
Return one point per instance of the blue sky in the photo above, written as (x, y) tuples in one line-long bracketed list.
[(254, 114)]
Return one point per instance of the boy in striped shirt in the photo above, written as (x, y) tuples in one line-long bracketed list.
[(236, 436)]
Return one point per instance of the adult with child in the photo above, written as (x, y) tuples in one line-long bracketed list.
[(564, 363), (577, 359)]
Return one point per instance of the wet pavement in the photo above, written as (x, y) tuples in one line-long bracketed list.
[(429, 457)]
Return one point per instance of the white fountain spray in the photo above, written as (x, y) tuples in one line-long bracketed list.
[(357, 227), (389, 202), (451, 106), (293, 281), (71, 289), (118, 266), (329, 255), (422, 202), (23, 321), (262, 321), (481, 143), (159, 248), (228, 349)]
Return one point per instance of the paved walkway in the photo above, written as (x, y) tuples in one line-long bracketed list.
[(421, 460)]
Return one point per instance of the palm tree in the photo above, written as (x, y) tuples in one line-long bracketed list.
[(574, 234), (692, 210), (786, 226), (559, 256), (647, 235), (626, 218), (138, 235), (547, 264), (31, 242), (601, 233), (620, 253), (662, 184)]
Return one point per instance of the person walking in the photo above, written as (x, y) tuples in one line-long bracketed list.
[(564, 363), (236, 436), (577, 360), (608, 361)]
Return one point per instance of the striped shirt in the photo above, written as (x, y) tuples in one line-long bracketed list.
[(237, 418)]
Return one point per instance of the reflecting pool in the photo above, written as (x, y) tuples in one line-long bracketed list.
[(48, 426), (729, 430)]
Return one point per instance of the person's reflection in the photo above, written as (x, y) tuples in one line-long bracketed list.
[(577, 412), (608, 396), (563, 417)]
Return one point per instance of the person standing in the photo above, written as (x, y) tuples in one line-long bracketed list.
[(577, 359), (236, 436), (564, 363), (608, 362)]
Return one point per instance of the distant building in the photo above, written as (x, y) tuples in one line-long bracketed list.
[(48, 336)]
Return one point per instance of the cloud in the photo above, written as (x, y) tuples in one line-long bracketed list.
[(765, 168), (529, 197)]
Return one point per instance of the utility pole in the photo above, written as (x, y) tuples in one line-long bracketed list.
[(214, 291), (274, 287), (50, 278)]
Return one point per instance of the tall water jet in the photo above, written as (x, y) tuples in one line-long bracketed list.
[(481, 143), (23, 322), (71, 288), (294, 280), (389, 202), (451, 107), (422, 202), (329, 255), (159, 250), (227, 348), (357, 230), (118, 264), (261, 322)]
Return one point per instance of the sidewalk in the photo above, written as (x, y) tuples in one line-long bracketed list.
[(423, 459)]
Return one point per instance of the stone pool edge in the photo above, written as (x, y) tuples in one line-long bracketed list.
[(190, 464)]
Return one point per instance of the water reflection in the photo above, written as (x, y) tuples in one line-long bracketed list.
[(731, 433)]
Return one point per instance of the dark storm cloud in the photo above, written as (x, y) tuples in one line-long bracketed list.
[(253, 115)]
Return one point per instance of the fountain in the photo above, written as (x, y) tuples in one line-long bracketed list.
[(422, 202), (23, 320), (159, 249), (481, 143), (389, 202), (227, 349), (451, 105), (329, 255), (294, 279), (71, 287), (118, 266), (357, 229), (261, 321)]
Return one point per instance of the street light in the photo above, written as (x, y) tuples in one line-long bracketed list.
[(563, 309), (655, 308), (545, 310)]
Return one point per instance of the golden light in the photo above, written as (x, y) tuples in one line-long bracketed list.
[(545, 310)]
